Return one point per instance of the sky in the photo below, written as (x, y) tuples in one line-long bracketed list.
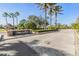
[(70, 13)]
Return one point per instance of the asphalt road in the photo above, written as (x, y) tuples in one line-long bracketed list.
[(59, 43)]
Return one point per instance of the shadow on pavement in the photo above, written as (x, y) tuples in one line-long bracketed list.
[(34, 42), (22, 49), (46, 51)]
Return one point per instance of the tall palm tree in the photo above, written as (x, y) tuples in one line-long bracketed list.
[(51, 7), (44, 6), (5, 14), (50, 16), (12, 15), (57, 10), (16, 15)]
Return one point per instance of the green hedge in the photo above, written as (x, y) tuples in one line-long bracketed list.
[(52, 28), (43, 30)]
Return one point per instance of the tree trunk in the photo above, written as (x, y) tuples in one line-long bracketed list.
[(17, 20), (50, 19), (6, 24), (45, 17), (56, 19), (6, 21), (13, 23)]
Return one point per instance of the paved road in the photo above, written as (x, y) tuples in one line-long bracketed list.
[(59, 43)]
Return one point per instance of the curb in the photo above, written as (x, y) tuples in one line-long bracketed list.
[(75, 43)]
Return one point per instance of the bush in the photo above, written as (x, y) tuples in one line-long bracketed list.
[(42, 30), (39, 30), (52, 28), (49, 28)]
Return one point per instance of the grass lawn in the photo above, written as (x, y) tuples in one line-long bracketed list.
[(2, 30)]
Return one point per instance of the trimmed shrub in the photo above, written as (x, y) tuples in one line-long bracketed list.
[(42, 30), (52, 28)]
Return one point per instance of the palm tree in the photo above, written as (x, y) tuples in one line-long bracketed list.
[(44, 6), (12, 15), (57, 10), (5, 14), (16, 15), (51, 7), (50, 16)]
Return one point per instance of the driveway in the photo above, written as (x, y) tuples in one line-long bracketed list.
[(59, 43)]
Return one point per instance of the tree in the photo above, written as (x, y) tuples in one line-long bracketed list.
[(5, 14), (63, 26), (33, 22), (34, 19), (39, 21), (30, 25), (12, 15), (1, 27), (57, 10), (77, 20), (44, 6), (51, 12), (22, 25), (16, 15), (75, 25), (26, 24), (42, 21)]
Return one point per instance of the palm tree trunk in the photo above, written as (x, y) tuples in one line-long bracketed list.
[(6, 21), (50, 16), (56, 19), (13, 23), (6, 24), (45, 17), (50, 19), (17, 22)]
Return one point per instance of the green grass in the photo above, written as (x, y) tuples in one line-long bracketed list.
[(2, 30)]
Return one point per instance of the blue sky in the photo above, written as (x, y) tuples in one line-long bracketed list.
[(70, 13)]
